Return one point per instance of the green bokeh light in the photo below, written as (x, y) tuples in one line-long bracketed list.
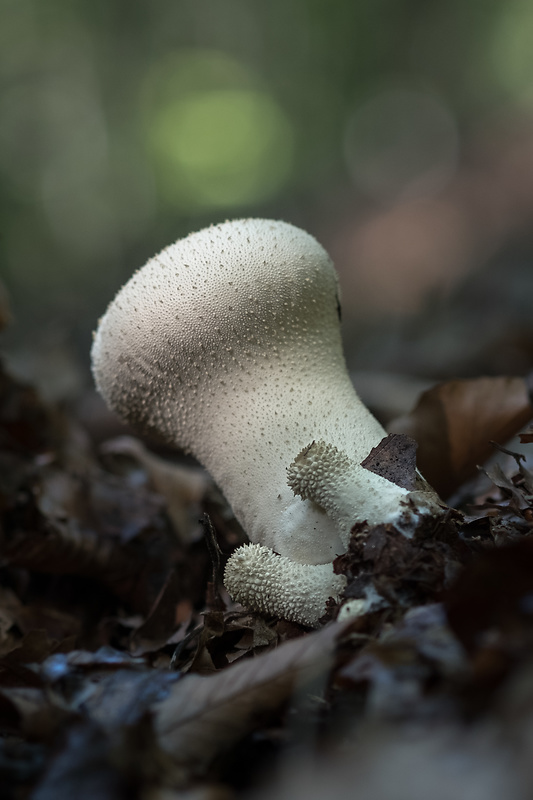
[(512, 50), (216, 141)]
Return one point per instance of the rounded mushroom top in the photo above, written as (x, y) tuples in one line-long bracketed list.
[(228, 345), (215, 302)]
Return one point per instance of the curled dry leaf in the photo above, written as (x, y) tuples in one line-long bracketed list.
[(61, 546), (203, 716), (86, 523), (394, 458), (455, 422)]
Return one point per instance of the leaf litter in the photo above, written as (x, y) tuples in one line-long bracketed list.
[(127, 671)]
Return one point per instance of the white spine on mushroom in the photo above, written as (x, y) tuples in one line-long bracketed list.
[(257, 577), (228, 345), (346, 491)]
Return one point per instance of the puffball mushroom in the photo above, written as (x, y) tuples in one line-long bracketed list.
[(227, 344)]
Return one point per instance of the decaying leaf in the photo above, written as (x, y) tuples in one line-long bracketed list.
[(389, 572), (124, 674), (203, 716), (182, 487), (394, 459), (455, 422)]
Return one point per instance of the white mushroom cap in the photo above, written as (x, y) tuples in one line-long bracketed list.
[(228, 344)]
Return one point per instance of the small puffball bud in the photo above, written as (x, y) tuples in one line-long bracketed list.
[(345, 490), (264, 581)]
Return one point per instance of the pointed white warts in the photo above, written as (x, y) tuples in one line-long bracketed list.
[(227, 344)]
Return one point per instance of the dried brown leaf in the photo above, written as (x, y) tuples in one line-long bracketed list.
[(394, 458), (405, 572), (203, 716), (502, 481), (455, 422), (64, 548), (92, 525), (182, 487)]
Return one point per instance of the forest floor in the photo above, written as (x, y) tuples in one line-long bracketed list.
[(127, 672)]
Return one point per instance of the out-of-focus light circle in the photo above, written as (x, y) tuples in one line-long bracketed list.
[(402, 143), (222, 148), (512, 50), (216, 140)]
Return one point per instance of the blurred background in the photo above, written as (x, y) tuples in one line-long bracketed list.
[(399, 133)]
